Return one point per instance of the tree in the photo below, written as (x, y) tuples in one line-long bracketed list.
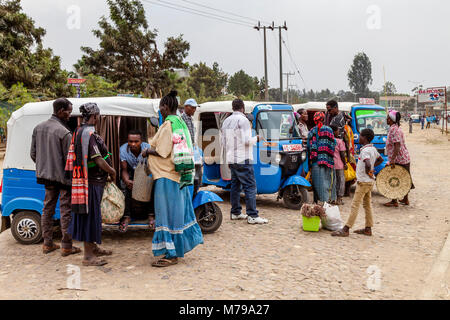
[(23, 59), (360, 74), (242, 85), (128, 52), (207, 82), (389, 89), (96, 86)]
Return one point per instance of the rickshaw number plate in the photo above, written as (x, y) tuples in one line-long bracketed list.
[(292, 147)]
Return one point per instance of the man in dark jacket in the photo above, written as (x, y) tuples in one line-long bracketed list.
[(49, 148), (335, 118)]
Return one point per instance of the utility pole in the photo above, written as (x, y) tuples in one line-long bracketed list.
[(287, 84), (266, 78), (281, 58), (291, 86)]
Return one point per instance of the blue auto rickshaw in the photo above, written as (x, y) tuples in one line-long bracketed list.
[(23, 199), (280, 161)]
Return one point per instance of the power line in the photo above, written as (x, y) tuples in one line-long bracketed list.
[(293, 61), (204, 12), (223, 11), (192, 11)]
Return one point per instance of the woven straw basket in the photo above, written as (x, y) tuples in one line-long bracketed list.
[(394, 183)]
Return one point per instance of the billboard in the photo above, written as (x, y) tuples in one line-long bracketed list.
[(433, 95)]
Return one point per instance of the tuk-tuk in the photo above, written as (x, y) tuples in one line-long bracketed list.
[(279, 158), (23, 199), (363, 116)]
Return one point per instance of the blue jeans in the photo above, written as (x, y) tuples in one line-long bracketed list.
[(243, 175)]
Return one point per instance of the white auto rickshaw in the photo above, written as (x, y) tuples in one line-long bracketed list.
[(23, 199)]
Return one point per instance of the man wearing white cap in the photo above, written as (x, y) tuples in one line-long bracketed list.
[(190, 107)]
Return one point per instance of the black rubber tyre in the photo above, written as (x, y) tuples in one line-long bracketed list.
[(209, 217), (26, 227), (294, 197)]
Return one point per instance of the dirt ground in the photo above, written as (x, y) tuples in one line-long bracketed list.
[(274, 261)]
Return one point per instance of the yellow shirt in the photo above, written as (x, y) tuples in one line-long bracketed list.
[(163, 167)]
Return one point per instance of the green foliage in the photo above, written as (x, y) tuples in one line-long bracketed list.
[(207, 83), (97, 86), (23, 59), (243, 85), (360, 74), (128, 53), (388, 89)]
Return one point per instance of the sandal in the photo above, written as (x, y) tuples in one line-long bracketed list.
[(68, 252), (162, 263), (102, 252), (47, 250), (94, 262), (123, 225), (364, 232), (391, 204), (340, 233), (152, 223), (405, 202)]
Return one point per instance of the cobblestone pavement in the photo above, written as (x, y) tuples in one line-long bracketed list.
[(274, 261)]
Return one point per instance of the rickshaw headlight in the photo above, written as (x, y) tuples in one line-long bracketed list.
[(278, 159), (304, 156)]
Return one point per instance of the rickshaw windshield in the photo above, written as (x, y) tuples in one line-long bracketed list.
[(277, 125), (372, 119)]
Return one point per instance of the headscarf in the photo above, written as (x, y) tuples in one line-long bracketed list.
[(89, 109), (393, 115), (319, 118)]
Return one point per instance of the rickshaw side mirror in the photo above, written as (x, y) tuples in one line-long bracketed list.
[(154, 122)]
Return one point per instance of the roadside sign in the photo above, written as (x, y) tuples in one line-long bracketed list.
[(366, 100), (435, 95), (76, 82)]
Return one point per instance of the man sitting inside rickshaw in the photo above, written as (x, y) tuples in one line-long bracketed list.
[(130, 157)]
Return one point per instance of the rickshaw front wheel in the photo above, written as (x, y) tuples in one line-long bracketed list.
[(209, 217), (26, 227), (294, 197)]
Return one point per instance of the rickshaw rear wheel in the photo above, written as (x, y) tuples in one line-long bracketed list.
[(294, 197), (209, 217), (26, 227)]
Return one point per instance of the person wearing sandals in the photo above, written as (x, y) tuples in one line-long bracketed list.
[(396, 151), (49, 148), (89, 164), (368, 159), (171, 162), (130, 156)]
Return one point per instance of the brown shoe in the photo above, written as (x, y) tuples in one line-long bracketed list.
[(364, 232), (68, 252), (47, 249)]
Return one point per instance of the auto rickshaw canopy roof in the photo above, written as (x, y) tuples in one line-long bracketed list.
[(24, 120)]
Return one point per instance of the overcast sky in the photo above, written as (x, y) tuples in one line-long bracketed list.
[(409, 38)]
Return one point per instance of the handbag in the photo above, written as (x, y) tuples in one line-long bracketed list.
[(143, 183), (350, 173), (113, 204)]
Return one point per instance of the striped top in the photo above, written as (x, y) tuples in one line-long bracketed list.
[(321, 146)]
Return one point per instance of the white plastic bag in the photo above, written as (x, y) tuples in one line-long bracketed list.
[(333, 221)]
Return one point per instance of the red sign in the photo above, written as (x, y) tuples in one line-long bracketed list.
[(76, 81), (366, 101), (292, 147)]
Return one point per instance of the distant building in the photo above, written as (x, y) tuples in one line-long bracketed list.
[(394, 102)]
